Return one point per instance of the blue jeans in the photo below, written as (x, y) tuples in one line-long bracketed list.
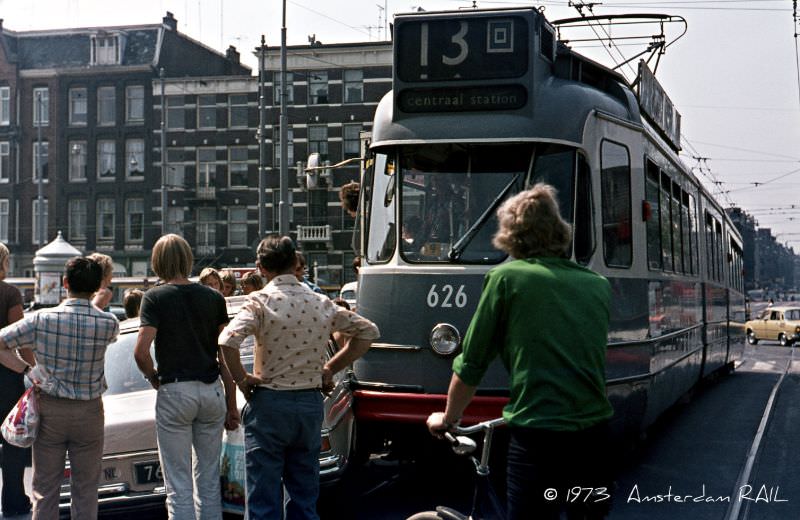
[(189, 421), (282, 444)]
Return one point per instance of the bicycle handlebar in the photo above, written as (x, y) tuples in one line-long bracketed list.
[(481, 426)]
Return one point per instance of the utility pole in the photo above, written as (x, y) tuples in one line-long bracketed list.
[(283, 228), (164, 185), (262, 143), (40, 228)]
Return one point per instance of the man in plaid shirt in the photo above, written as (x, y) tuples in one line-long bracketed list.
[(70, 345)]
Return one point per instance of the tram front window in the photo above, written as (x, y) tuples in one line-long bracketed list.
[(449, 197)]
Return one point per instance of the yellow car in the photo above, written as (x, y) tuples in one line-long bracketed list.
[(775, 323)]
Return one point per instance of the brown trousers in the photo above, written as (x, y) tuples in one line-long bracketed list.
[(74, 427)]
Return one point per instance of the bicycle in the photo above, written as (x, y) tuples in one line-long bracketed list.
[(485, 502)]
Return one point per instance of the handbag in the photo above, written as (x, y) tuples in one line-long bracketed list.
[(22, 422)]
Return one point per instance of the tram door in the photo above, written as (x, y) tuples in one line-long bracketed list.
[(615, 152)]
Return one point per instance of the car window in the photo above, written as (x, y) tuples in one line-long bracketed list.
[(122, 374), (793, 314), (775, 315)]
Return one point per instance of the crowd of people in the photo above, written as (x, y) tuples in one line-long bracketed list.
[(556, 377), (197, 355)]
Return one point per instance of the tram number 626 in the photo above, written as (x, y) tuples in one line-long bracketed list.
[(447, 297)]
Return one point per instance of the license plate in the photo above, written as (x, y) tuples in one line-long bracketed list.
[(148, 472)]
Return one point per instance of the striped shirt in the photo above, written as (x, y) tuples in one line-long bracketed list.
[(70, 343)]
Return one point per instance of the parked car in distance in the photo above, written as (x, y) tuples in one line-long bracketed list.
[(779, 323), (131, 478), (349, 293)]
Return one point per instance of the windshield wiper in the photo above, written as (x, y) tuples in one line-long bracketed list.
[(459, 247)]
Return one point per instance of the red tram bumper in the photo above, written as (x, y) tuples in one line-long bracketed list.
[(407, 408)]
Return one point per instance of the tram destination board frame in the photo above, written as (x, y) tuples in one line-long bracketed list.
[(463, 61)]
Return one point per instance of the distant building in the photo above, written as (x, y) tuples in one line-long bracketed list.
[(213, 153), (89, 92)]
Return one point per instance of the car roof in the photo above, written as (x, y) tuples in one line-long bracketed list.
[(782, 308), (234, 303)]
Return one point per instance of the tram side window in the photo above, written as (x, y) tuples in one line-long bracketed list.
[(719, 246), (615, 180), (710, 250), (651, 192), (686, 233), (693, 235), (666, 224), (583, 235), (675, 210), (382, 232), (738, 266)]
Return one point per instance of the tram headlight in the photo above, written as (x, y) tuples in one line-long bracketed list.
[(445, 339)]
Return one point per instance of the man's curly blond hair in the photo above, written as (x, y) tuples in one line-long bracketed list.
[(531, 225)]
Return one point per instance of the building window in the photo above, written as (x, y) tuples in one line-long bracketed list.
[(78, 106), (237, 111), (134, 220), (276, 140), (106, 104), (175, 168), (134, 104), (206, 167), (5, 215), (41, 106), (36, 216), (352, 140), (237, 227), (41, 151), (77, 160), (105, 50), (106, 159), (353, 86), (5, 161), (237, 166), (318, 140), (615, 182), (207, 111), (176, 116), (134, 158), (318, 88), (289, 88), (206, 229), (175, 221), (105, 219), (77, 220), (5, 105)]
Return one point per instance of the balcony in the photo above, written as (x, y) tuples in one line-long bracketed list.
[(206, 192), (314, 233), (206, 250)]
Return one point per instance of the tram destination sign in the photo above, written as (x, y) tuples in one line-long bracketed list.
[(658, 107), (462, 99), (461, 48)]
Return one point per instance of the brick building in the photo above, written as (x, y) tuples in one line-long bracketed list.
[(80, 99)]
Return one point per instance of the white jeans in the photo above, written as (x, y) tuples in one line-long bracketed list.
[(189, 420)]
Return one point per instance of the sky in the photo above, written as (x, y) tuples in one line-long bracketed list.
[(733, 76)]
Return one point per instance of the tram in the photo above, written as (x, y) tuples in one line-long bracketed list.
[(486, 103)]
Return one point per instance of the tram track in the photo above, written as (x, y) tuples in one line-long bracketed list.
[(740, 509)]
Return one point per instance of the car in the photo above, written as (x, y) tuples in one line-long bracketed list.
[(349, 294), (131, 479), (780, 323)]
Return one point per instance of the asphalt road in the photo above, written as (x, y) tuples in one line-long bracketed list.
[(691, 465)]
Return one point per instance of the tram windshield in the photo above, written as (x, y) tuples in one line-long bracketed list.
[(446, 197)]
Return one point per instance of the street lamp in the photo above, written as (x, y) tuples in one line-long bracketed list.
[(40, 181), (163, 154)]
